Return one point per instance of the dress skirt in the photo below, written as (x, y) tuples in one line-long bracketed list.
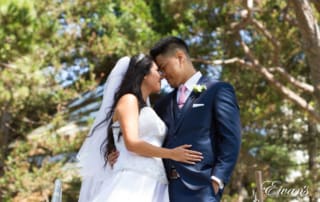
[(132, 186)]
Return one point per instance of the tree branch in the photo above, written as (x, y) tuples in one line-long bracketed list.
[(301, 85), (270, 38), (247, 18), (216, 62), (265, 32), (246, 15), (289, 94), (6, 65), (255, 65)]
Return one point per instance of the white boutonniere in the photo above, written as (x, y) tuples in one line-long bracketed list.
[(199, 88)]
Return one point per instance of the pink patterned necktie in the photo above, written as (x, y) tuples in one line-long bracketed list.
[(182, 96)]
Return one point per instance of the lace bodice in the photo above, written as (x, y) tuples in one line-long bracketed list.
[(152, 130)]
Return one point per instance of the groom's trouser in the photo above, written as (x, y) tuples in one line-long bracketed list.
[(178, 192)]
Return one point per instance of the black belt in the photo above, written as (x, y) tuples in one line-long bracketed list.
[(173, 174)]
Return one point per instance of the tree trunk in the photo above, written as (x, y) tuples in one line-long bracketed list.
[(313, 148), (310, 35)]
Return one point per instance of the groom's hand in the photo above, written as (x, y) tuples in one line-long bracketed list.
[(113, 157), (215, 186)]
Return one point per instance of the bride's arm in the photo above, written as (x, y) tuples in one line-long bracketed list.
[(127, 113)]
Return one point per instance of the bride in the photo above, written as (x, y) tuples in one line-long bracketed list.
[(126, 122)]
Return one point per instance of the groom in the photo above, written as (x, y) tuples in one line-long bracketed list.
[(202, 112)]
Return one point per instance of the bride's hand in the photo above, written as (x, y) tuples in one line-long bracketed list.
[(113, 157), (185, 155)]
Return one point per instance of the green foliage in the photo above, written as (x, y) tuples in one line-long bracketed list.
[(25, 179), (21, 28), (108, 30), (41, 33)]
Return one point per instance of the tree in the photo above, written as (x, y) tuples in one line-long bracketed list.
[(23, 87), (267, 49), (43, 39)]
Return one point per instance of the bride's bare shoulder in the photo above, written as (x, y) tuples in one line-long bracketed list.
[(126, 104), (128, 99)]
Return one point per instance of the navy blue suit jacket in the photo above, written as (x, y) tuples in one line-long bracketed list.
[(210, 122)]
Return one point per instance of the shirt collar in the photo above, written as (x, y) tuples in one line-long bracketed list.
[(193, 80)]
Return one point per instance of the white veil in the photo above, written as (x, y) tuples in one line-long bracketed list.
[(91, 159)]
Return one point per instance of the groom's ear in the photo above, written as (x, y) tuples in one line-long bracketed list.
[(180, 55)]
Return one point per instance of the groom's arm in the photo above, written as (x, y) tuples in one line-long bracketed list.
[(227, 139)]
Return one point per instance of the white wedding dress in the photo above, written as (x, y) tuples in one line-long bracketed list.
[(136, 178)]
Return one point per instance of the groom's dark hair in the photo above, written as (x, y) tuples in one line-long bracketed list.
[(168, 45)]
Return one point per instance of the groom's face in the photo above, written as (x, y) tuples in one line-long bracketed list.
[(170, 66)]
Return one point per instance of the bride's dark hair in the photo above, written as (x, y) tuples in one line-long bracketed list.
[(139, 66)]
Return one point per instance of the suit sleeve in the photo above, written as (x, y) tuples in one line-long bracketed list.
[(227, 137)]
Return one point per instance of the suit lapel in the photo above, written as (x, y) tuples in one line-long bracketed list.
[(188, 105)]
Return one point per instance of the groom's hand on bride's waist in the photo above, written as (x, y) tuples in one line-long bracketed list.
[(113, 157)]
